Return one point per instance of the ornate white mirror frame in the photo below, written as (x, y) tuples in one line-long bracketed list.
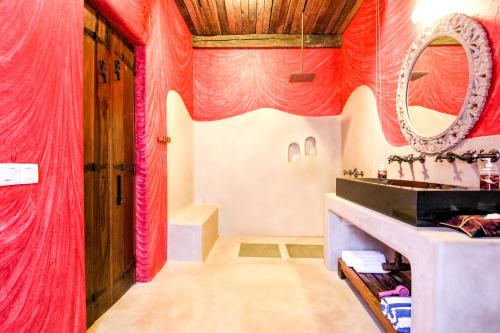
[(473, 38)]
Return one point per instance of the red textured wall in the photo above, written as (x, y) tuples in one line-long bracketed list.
[(231, 82), (396, 34), (41, 226), (169, 66)]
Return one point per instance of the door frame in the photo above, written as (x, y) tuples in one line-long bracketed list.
[(140, 195)]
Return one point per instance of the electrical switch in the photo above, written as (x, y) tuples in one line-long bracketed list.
[(16, 173)]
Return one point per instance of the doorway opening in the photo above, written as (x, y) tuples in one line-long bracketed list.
[(109, 163)]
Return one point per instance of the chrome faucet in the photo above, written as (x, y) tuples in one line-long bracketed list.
[(408, 159), (470, 156), (356, 173)]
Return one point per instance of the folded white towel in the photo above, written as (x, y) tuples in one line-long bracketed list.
[(357, 258), (370, 268), (387, 303), (349, 256)]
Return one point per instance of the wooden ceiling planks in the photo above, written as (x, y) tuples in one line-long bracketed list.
[(276, 17)]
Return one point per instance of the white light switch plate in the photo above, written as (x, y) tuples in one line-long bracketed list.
[(28, 173), (16, 173)]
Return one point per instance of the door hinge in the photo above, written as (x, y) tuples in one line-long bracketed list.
[(90, 33)]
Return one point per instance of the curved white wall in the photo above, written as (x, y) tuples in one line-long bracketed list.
[(179, 154), (241, 165)]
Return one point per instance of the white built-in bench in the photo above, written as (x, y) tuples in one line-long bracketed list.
[(192, 232)]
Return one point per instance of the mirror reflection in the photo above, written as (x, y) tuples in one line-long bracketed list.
[(438, 87)]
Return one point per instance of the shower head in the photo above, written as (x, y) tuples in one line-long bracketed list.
[(301, 77)]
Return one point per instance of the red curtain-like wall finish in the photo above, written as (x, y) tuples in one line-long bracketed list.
[(42, 251), (42, 262), (366, 62), (234, 81), (169, 66)]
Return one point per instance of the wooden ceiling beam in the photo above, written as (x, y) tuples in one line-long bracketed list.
[(260, 16), (275, 16), (187, 16), (267, 41), (245, 17), (333, 13), (266, 23), (230, 17), (289, 16), (198, 13), (311, 15), (252, 16), (237, 16), (346, 17), (222, 15)]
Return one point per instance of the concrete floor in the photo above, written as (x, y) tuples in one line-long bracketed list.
[(228, 294)]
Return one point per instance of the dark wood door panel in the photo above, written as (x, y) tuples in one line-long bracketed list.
[(109, 104)]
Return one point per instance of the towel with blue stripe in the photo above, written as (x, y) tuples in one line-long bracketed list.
[(398, 311)]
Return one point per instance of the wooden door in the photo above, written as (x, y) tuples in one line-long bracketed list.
[(123, 167), (109, 168)]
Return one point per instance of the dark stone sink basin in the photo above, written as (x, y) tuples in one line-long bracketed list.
[(420, 204)]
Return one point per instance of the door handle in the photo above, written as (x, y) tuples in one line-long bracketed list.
[(119, 198)]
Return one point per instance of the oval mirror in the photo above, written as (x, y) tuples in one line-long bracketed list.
[(443, 84), (438, 86)]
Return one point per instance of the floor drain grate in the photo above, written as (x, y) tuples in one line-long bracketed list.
[(304, 251), (259, 250)]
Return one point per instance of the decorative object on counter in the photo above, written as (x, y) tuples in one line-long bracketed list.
[(488, 177), (476, 225), (400, 290), (382, 171), (473, 38), (354, 173), (408, 159), (397, 265), (293, 152), (470, 156)]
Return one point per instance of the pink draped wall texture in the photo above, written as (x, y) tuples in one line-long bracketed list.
[(42, 262), (361, 65), (231, 82)]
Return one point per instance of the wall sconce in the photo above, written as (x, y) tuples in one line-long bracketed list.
[(293, 152), (310, 146)]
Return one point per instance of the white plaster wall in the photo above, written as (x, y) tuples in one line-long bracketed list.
[(365, 147), (241, 165), (179, 154)]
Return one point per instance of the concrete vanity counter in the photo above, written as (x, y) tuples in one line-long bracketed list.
[(455, 279)]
